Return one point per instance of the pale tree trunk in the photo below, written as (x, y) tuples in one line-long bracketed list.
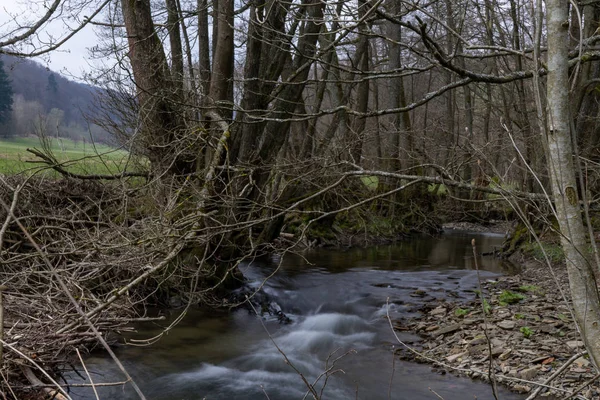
[(584, 290)]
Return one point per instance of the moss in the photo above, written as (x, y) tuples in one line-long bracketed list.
[(554, 251), (514, 242), (461, 312), (526, 331), (508, 297), (531, 289)]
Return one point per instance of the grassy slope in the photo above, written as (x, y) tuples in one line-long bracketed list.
[(78, 158)]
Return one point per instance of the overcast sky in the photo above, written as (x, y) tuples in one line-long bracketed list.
[(72, 58)]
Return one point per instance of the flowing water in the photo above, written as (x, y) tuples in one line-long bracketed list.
[(338, 302)]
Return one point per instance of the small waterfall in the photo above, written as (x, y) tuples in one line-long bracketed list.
[(264, 371)]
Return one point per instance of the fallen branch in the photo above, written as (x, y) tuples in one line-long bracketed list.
[(49, 391), (556, 373), (55, 165)]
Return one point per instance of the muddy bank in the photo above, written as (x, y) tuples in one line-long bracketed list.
[(531, 335)]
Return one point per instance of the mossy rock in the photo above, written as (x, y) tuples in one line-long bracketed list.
[(517, 238)]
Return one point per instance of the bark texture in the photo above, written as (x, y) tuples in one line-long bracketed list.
[(584, 289), (159, 120)]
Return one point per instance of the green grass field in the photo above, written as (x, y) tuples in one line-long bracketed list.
[(78, 157)]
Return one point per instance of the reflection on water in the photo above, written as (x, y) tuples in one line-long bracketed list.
[(338, 302), (450, 251)]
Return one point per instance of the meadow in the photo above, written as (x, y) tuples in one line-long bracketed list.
[(77, 157)]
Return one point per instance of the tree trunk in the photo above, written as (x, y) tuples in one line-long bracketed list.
[(584, 289), (203, 47), (176, 47), (448, 137), (276, 131), (222, 70), (357, 132), (402, 137), (160, 120), (266, 54)]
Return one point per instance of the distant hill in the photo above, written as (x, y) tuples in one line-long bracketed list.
[(50, 99)]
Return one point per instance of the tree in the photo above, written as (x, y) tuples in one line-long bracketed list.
[(52, 99), (6, 95), (52, 86), (582, 280)]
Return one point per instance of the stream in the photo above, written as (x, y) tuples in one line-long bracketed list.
[(337, 301)]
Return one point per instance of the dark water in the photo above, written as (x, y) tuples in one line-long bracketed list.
[(337, 301)]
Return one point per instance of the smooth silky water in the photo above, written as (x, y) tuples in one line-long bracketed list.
[(338, 302)]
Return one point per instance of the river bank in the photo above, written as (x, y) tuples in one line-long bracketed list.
[(526, 326)]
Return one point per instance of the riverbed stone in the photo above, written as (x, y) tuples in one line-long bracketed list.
[(506, 324), (574, 344), (505, 355), (496, 351), (529, 373), (478, 340), (455, 357), (447, 329), (438, 311), (522, 388), (477, 349), (581, 362), (461, 341)]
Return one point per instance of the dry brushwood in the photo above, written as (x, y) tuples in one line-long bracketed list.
[(99, 240)]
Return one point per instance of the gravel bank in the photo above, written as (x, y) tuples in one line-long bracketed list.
[(531, 336)]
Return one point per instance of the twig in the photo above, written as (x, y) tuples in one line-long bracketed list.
[(58, 168), (150, 270), (26, 368), (556, 373), (51, 392), (87, 373), (8, 385), (9, 216), (310, 387), (582, 386), (66, 291), (329, 371), (2, 289), (265, 392), (434, 392), (491, 372), (392, 376)]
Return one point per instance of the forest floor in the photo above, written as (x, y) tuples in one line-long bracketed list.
[(525, 325)]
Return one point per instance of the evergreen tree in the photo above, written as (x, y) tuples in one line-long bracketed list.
[(52, 98), (52, 86), (6, 95)]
